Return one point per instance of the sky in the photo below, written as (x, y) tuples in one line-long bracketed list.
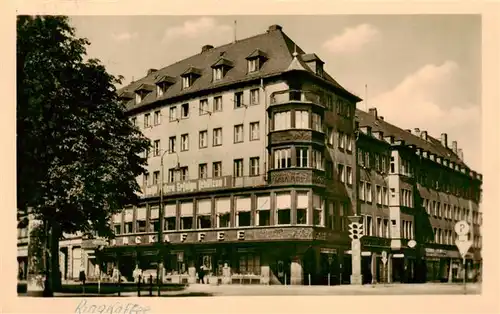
[(419, 71)]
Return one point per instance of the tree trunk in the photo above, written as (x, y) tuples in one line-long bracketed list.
[(55, 272)]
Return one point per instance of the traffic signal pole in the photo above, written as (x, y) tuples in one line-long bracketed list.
[(356, 233)]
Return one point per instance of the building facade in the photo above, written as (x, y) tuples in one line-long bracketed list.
[(264, 157)]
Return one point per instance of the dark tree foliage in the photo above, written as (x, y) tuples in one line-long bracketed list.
[(78, 155)]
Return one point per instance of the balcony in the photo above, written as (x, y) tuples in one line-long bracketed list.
[(296, 135), (201, 185), (301, 176), (287, 96)]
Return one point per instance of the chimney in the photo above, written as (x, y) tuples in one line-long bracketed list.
[(460, 154), (454, 146), (444, 139), (151, 71), (206, 48), (381, 118), (373, 112), (417, 132), (274, 27), (423, 135)]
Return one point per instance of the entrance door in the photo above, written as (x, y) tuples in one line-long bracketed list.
[(280, 268)]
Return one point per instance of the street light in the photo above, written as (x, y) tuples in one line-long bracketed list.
[(161, 220)]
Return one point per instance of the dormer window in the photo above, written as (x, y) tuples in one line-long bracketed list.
[(162, 84), (255, 60), (142, 91), (138, 98), (125, 96), (252, 65), (314, 62), (220, 68), (217, 74), (189, 77)]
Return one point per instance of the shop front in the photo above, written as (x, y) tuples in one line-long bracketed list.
[(442, 265)]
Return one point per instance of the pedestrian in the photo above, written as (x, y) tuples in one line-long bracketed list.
[(201, 274), (82, 278)]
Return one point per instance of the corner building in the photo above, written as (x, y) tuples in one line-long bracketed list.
[(264, 156)]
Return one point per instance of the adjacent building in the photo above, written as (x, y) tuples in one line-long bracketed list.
[(264, 157)]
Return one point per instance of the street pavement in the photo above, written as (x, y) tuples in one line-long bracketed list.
[(200, 290), (377, 289)]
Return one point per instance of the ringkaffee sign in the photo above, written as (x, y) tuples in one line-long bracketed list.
[(198, 185)]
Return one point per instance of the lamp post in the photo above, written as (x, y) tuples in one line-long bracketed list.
[(161, 221)]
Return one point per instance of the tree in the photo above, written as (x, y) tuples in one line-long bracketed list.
[(78, 155)]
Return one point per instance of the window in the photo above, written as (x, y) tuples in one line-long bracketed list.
[(171, 175), (140, 221), (329, 169), (184, 174), (249, 264), (329, 136), (301, 119), (243, 211), (238, 100), (316, 122), (171, 144), (217, 169), (203, 171), (349, 174), (317, 159), (217, 138), (340, 172), (161, 89), (385, 196), (368, 192), (263, 211), (386, 228), (362, 190), (133, 120), (186, 215), (238, 133), (157, 117), (184, 142), (378, 189), (380, 227), (117, 229), (329, 102), (282, 120), (172, 113), (185, 111), (254, 166), (348, 142), (302, 205), (302, 157), (282, 158), (392, 165), (218, 103), (156, 177), (203, 139), (204, 216), (238, 168), (154, 222), (341, 140), (129, 227), (223, 210), (254, 96), (318, 207), (147, 120), (138, 98), (217, 73), (157, 148), (146, 179), (254, 131), (252, 65), (368, 226), (367, 159), (283, 206), (186, 81), (204, 107)]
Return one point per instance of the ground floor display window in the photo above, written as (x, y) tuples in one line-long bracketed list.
[(249, 264)]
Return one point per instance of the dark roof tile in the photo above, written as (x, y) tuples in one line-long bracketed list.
[(431, 145), (275, 45)]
